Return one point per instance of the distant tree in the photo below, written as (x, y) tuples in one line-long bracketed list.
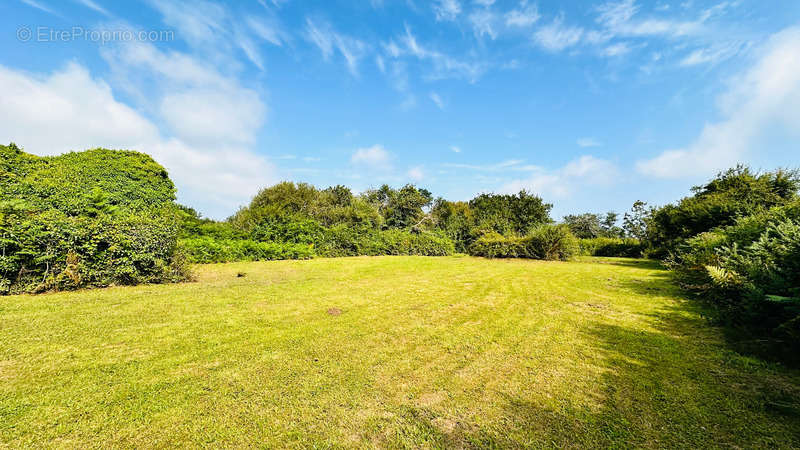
[(635, 221), (401, 208), (505, 213), (589, 225), (584, 226), (455, 220)]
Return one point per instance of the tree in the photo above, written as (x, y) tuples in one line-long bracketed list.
[(635, 221), (455, 220), (733, 193), (584, 226), (401, 208), (590, 225), (506, 213)]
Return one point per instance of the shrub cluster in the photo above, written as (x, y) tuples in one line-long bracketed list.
[(749, 271), (548, 242), (204, 250), (93, 218), (619, 247), (341, 241)]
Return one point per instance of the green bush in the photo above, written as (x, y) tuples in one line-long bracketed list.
[(342, 240), (619, 247), (731, 195), (400, 242), (206, 250), (549, 242), (750, 273), (91, 218), (52, 251), (495, 245)]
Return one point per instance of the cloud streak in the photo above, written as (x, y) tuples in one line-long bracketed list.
[(764, 96)]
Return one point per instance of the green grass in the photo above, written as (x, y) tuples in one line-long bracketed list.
[(389, 352)]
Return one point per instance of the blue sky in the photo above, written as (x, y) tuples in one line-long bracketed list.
[(591, 104)]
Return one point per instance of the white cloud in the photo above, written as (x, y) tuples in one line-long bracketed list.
[(556, 36), (267, 30), (617, 49), (618, 18), (584, 172), (765, 96), (39, 6), (326, 39), (455, 149), (211, 29), (588, 142), (416, 173), (524, 16), (444, 66), (483, 23), (376, 157), (712, 55), (214, 116), (94, 6), (446, 9), (503, 166), (436, 99), (197, 103), (80, 112)]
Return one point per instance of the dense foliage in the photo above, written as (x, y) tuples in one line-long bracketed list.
[(384, 221), (298, 220), (736, 243), (549, 242), (492, 214), (92, 218), (735, 193), (750, 272), (590, 225), (606, 246)]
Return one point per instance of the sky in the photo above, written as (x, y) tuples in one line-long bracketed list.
[(590, 104)]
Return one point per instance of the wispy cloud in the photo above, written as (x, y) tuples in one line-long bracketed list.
[(437, 100), (484, 23), (328, 40), (503, 166), (524, 16), (38, 5), (713, 54), (91, 4), (619, 18), (375, 157), (446, 9), (556, 36), (217, 32), (455, 149), (583, 172), (618, 49), (765, 96), (416, 173), (443, 65), (588, 142)]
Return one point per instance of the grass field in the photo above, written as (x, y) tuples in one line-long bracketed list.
[(389, 352)]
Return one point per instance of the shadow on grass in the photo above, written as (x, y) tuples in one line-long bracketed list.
[(751, 344), (673, 384), (639, 263)]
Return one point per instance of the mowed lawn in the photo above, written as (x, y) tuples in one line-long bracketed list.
[(387, 352)]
